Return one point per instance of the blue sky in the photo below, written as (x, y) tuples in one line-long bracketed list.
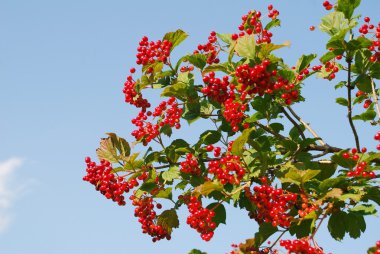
[(62, 69)]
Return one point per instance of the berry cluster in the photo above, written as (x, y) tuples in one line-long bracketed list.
[(190, 165), (330, 68), (273, 205), (149, 52), (306, 206), (186, 68), (216, 88), (361, 168), (328, 6), (300, 246), (210, 49), (371, 29), (228, 169), (132, 96), (257, 79), (147, 217), (252, 24), (101, 176), (200, 218), (169, 114), (234, 113)]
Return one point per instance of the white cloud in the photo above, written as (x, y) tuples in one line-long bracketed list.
[(7, 191)]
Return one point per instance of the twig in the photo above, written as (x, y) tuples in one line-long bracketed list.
[(278, 239), (376, 99), (349, 106), (307, 126), (294, 123)]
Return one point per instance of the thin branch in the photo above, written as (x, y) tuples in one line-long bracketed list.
[(307, 126), (269, 130), (349, 106), (293, 122), (375, 97), (278, 239)]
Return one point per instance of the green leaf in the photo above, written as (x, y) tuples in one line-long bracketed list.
[(171, 174), (365, 209), (359, 43), (345, 163), (225, 38), (273, 23), (210, 137), (168, 219), (265, 231), (113, 148), (148, 186), (347, 7), (355, 224), (220, 212), (335, 23), (331, 183), (375, 70), (336, 225), (304, 61), (175, 38), (178, 90), (216, 67), (330, 55), (165, 193), (368, 115), (198, 60), (167, 130), (207, 188), (342, 101), (363, 82), (264, 50), (192, 111), (238, 145), (245, 46), (303, 228)]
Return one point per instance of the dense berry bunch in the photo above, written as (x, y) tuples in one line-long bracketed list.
[(169, 114), (251, 24), (300, 246), (273, 205), (149, 52), (210, 49), (361, 168), (216, 88), (331, 68), (147, 218), (228, 169), (200, 218), (190, 165), (132, 96), (368, 28), (306, 206), (101, 176), (234, 113)]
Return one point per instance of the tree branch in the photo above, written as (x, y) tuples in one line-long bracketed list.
[(293, 122), (307, 126), (349, 106)]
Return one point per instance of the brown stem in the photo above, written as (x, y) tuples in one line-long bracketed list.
[(349, 106), (307, 126)]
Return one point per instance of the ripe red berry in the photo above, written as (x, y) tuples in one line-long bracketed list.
[(312, 28), (367, 19)]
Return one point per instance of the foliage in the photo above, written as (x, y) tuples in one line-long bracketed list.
[(288, 181)]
